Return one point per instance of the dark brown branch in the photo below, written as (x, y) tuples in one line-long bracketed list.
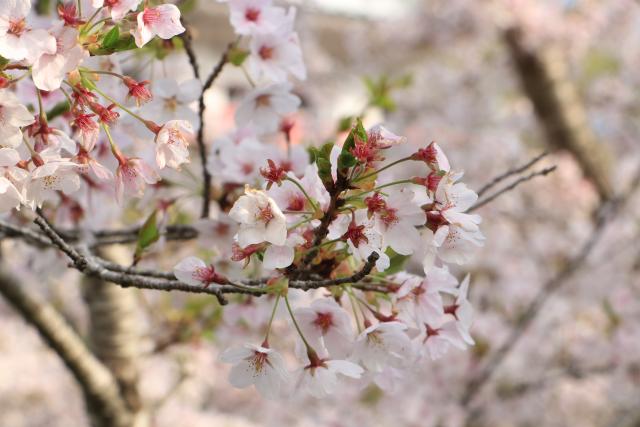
[(515, 171), (123, 276), (206, 176), (511, 186), (187, 41)]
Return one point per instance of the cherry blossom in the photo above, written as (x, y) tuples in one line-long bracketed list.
[(362, 237), (172, 147), (118, 8), (260, 218), (10, 197), (255, 16), (132, 176), (163, 21), (322, 380), (281, 256), (275, 55), (396, 220), (259, 366), (264, 107), (383, 344), (17, 40), (49, 178), (292, 199), (420, 297), (327, 327), (172, 100), (13, 116), (440, 336), (50, 68), (193, 271)]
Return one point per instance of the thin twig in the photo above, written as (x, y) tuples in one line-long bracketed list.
[(206, 176), (515, 171), (511, 186)]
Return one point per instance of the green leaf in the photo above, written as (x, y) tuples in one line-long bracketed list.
[(3, 62), (59, 109), (111, 38), (346, 159), (147, 236), (345, 123), (321, 157), (124, 42), (397, 262), (237, 56)]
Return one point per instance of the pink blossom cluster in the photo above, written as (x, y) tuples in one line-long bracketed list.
[(50, 149), (327, 215)]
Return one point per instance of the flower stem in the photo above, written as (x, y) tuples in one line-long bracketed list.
[(313, 204), (397, 162), (403, 181), (273, 315), (295, 323), (125, 109)]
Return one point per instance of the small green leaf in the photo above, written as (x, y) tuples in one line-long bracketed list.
[(148, 235), (321, 157), (397, 262), (237, 56), (59, 109), (111, 38), (346, 158)]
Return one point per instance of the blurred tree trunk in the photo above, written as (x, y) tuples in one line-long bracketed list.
[(105, 405), (114, 334), (546, 82)]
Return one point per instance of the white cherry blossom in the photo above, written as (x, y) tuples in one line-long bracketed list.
[(13, 116), (260, 218), (51, 68), (322, 381), (384, 344), (162, 21), (118, 8), (264, 107), (172, 145), (327, 327), (17, 41), (259, 366)]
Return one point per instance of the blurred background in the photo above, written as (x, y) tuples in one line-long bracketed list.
[(556, 288)]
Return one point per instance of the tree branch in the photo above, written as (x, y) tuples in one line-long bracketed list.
[(206, 176), (511, 186), (515, 171), (93, 266)]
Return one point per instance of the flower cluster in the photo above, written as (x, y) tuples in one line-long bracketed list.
[(329, 221), (52, 146)]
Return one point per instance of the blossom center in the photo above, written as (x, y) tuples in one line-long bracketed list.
[(17, 27), (266, 52), (296, 203), (265, 214), (252, 14), (324, 321), (263, 100), (150, 16), (258, 362)]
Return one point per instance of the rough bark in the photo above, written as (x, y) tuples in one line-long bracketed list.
[(114, 334), (546, 82)]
